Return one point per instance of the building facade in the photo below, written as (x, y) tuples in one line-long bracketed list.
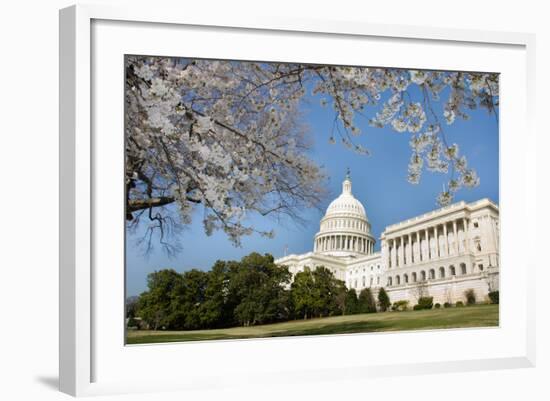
[(441, 254)]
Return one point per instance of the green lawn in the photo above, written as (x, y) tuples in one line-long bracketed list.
[(472, 316)]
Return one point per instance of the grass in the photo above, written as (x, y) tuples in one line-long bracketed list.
[(471, 316)]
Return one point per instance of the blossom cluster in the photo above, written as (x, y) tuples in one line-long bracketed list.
[(228, 135)]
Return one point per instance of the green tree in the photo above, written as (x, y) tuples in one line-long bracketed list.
[(326, 290), (260, 286), (158, 306), (352, 306), (366, 302), (191, 299), (317, 293), (383, 299), (217, 310), (302, 294)]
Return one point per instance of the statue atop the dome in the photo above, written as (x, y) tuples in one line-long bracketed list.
[(346, 185)]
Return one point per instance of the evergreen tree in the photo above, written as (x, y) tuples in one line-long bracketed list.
[(383, 299), (367, 304), (302, 294), (352, 305)]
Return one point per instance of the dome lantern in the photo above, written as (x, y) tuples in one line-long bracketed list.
[(346, 185)]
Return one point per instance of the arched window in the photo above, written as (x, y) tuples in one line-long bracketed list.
[(462, 268), (441, 272), (397, 280), (413, 276), (432, 274), (364, 281), (405, 278), (453, 270), (422, 275), (371, 282), (389, 281)]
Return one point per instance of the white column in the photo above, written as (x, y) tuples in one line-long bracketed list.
[(397, 251), (445, 239), (419, 246), (390, 252), (427, 244), (437, 250), (466, 224), (410, 260), (455, 234), (402, 251)]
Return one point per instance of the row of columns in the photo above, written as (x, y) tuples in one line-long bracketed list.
[(344, 243), (397, 254)]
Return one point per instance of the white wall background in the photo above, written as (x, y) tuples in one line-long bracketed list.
[(29, 198)]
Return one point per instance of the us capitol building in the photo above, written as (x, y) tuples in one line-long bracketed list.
[(441, 253)]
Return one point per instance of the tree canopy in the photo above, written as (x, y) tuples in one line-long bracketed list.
[(228, 135), (248, 292)]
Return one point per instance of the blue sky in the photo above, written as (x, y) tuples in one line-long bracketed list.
[(379, 182)]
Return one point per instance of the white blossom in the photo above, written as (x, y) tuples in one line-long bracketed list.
[(227, 136)]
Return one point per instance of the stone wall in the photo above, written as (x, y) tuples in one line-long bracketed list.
[(446, 290)]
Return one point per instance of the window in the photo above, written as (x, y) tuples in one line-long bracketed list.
[(453, 271), (478, 245), (364, 281), (480, 267), (476, 224), (414, 277), (463, 268), (377, 280)]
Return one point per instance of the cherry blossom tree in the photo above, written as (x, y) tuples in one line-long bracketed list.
[(228, 135)]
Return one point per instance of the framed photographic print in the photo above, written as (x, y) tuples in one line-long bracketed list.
[(314, 199)]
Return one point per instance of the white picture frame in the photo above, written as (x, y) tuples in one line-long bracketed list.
[(81, 346)]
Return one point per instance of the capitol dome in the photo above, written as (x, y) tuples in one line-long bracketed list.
[(345, 228)]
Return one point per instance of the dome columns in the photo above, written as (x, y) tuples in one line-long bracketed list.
[(345, 242)]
